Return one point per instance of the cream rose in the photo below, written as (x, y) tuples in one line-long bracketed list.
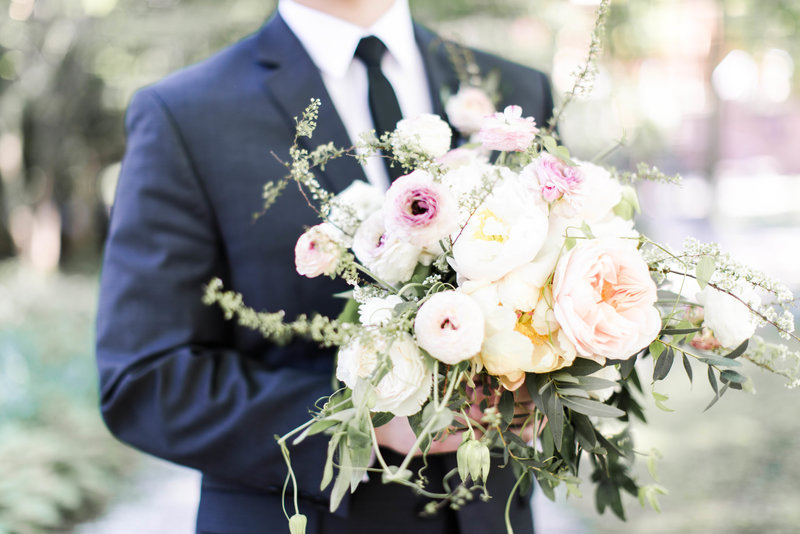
[(604, 299), (449, 326), (404, 389)]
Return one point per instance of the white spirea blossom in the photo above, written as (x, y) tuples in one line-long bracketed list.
[(377, 311), (450, 327), (404, 389), (426, 132), (358, 201), (730, 320)]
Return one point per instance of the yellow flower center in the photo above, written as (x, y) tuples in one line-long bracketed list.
[(490, 227), (525, 328)]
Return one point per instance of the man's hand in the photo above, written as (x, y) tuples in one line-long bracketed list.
[(398, 436)]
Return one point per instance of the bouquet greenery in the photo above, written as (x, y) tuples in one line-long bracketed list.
[(498, 299)]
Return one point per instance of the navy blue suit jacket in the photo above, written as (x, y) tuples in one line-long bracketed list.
[(177, 380)]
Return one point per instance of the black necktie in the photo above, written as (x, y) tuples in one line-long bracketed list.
[(382, 100)]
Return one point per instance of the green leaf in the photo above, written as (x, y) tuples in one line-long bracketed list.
[(719, 361), (656, 348), (663, 364), (327, 471), (586, 229), (678, 331), (732, 376), (628, 205), (705, 270), (584, 430), (550, 144), (342, 483), (687, 366), (381, 418), (350, 312), (563, 376), (717, 397), (573, 392), (570, 242), (712, 379), (592, 407), (583, 367), (506, 406), (738, 351), (660, 398), (554, 411), (592, 383)]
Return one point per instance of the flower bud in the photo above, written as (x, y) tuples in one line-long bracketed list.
[(297, 524)]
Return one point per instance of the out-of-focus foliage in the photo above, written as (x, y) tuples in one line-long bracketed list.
[(58, 463)]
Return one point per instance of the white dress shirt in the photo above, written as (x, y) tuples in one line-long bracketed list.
[(331, 43)]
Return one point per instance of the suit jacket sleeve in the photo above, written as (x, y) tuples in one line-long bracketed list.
[(170, 383)]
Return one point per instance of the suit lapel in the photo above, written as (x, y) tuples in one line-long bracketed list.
[(438, 68), (293, 80)]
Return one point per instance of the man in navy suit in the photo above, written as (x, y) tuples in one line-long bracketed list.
[(180, 382)]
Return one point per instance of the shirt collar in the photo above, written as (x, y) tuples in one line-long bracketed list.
[(331, 42)]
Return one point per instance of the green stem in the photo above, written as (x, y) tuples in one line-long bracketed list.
[(507, 515)]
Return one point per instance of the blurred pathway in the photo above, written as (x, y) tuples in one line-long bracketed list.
[(163, 500)]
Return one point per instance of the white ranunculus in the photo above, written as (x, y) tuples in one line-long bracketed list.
[(464, 181), (450, 327), (391, 259), (504, 233), (317, 251), (377, 311), (727, 317), (427, 132)]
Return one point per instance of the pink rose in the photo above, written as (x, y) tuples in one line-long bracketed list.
[(317, 251), (555, 178), (467, 108), (604, 300), (508, 131), (420, 210)]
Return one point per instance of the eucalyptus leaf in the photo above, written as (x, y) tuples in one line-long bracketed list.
[(687, 366), (738, 351), (719, 361), (663, 364), (705, 270), (592, 407), (591, 383), (506, 406), (732, 376)]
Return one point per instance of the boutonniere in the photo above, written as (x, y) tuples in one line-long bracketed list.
[(477, 96)]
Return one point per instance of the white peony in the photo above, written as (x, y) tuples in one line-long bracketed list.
[(450, 327), (377, 311), (404, 389), (730, 320), (504, 233), (391, 259), (426, 132)]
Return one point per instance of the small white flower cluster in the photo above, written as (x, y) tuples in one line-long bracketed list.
[(777, 358)]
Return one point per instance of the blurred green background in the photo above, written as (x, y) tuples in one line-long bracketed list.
[(707, 88)]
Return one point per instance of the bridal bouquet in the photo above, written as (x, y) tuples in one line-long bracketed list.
[(501, 287)]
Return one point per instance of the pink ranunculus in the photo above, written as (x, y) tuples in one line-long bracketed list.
[(508, 131), (467, 108), (317, 251), (420, 210), (605, 299), (554, 178)]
